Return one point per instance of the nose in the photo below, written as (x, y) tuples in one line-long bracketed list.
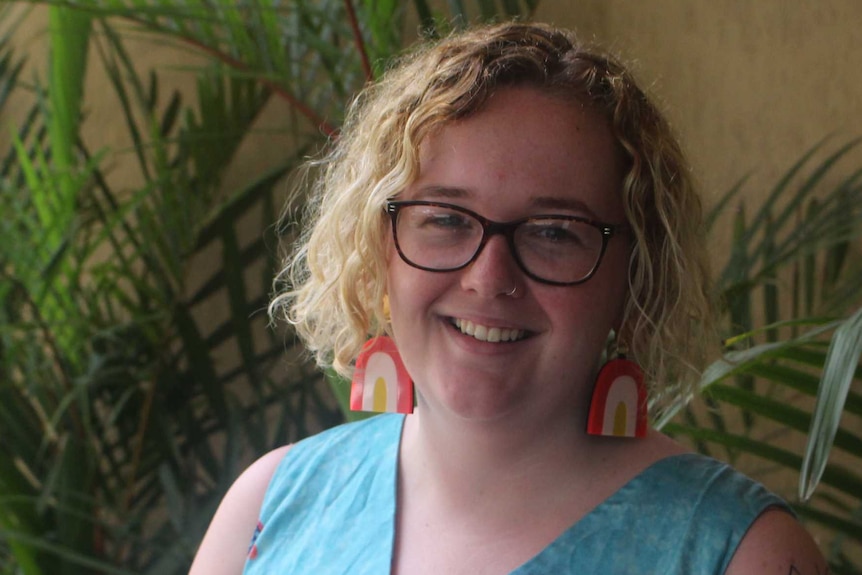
[(494, 272)]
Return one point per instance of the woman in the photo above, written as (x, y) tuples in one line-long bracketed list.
[(502, 204)]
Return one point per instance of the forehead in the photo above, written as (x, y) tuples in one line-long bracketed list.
[(524, 149)]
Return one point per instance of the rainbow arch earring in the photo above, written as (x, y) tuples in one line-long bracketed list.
[(618, 407), (380, 381)]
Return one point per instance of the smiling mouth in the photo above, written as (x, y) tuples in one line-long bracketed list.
[(489, 334)]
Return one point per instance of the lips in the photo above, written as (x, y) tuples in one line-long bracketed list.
[(488, 333)]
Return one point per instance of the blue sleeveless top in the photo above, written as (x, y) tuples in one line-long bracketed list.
[(330, 509)]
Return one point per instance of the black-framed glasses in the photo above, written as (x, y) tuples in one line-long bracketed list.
[(552, 249)]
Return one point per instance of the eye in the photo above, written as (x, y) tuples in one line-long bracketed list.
[(441, 219), (446, 220), (555, 232)]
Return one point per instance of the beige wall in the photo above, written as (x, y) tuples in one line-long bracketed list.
[(749, 85)]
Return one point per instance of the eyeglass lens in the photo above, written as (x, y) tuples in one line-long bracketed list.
[(555, 249)]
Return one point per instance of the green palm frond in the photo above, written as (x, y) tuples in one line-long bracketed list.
[(795, 379)]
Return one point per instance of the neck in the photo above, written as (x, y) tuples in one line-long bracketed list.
[(469, 462)]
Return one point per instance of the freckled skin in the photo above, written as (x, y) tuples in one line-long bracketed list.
[(501, 163)]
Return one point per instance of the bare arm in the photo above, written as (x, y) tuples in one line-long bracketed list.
[(225, 545), (776, 544)]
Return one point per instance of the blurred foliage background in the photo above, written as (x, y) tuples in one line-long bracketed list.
[(138, 373)]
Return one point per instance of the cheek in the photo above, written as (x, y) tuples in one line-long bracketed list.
[(599, 304), (401, 280), (402, 288), (613, 270), (413, 293)]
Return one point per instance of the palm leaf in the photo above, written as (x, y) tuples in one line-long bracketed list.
[(842, 361), (799, 254)]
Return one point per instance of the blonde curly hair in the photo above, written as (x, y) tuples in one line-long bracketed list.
[(331, 289)]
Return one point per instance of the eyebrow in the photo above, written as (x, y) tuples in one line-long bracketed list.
[(565, 204), (446, 192), (548, 203)]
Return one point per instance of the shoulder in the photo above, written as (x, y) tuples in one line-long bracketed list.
[(776, 544), (320, 465), (714, 516), (224, 547), (757, 525)]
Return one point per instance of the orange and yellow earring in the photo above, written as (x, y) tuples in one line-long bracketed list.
[(380, 380), (619, 404)]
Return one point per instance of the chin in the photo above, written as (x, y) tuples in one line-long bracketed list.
[(479, 403)]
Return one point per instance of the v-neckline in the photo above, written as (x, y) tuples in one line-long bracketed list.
[(581, 525)]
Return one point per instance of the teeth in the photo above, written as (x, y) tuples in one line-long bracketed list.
[(489, 334)]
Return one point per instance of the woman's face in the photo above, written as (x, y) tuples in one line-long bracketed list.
[(524, 154)]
